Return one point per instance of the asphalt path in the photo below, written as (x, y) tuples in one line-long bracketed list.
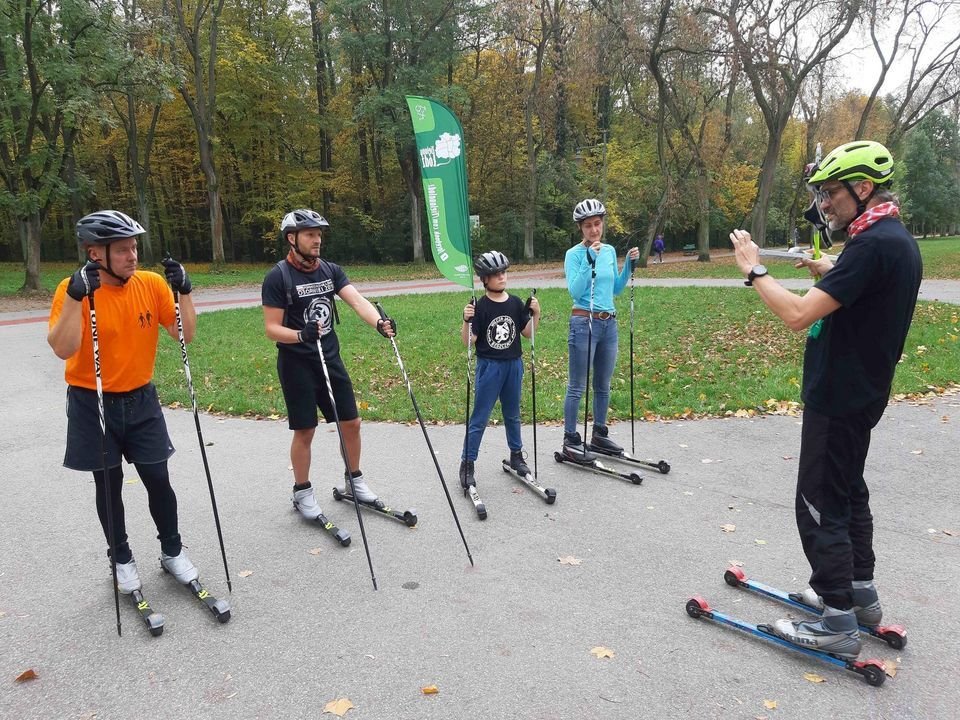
[(508, 638)]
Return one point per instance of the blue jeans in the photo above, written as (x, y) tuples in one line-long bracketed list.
[(495, 378), (603, 353)]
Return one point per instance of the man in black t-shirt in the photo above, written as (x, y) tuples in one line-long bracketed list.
[(299, 316), (495, 325), (858, 316)]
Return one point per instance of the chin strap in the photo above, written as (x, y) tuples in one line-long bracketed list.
[(105, 266)]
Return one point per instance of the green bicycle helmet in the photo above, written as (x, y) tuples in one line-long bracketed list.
[(852, 161)]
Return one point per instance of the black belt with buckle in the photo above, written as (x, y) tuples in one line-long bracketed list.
[(602, 315)]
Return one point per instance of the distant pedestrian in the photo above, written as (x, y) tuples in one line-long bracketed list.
[(658, 247)]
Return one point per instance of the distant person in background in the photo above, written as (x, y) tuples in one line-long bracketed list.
[(658, 247)]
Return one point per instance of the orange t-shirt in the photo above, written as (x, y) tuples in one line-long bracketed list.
[(129, 318)]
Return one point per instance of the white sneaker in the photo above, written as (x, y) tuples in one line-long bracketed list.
[(305, 501), (361, 491), (180, 567), (128, 579)]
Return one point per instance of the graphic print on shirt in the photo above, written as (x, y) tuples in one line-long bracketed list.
[(501, 332), (320, 306)]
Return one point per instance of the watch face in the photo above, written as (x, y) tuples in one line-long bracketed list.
[(758, 270)]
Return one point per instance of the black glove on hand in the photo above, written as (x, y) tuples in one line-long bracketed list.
[(382, 324), (310, 333), (84, 281), (176, 276)]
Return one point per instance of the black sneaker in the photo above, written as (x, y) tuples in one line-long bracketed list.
[(518, 464), (466, 474), (574, 449), (601, 440)]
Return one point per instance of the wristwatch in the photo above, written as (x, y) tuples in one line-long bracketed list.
[(755, 272)]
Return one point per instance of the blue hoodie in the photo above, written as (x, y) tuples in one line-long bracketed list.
[(576, 267)]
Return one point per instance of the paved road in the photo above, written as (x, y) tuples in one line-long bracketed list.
[(508, 638)]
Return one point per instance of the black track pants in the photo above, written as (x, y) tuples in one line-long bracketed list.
[(162, 501), (833, 503)]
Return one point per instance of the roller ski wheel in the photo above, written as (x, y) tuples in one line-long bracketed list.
[(470, 491), (872, 671), (151, 619), (338, 534), (407, 517), (548, 495), (893, 635)]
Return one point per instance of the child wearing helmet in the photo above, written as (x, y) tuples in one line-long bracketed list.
[(131, 307), (494, 326), (593, 280), (300, 319), (858, 314)]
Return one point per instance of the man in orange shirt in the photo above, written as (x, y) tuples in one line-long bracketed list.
[(131, 307)]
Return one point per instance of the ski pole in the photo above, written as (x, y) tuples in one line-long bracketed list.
[(103, 454), (466, 424), (633, 447), (433, 455), (533, 378), (196, 420), (346, 462)]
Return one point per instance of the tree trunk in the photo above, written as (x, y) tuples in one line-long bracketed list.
[(408, 167), (703, 215), (530, 206), (30, 230), (758, 223)]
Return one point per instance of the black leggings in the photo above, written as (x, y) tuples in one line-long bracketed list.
[(162, 501)]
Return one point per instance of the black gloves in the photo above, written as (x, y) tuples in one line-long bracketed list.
[(385, 322), (84, 281), (310, 333), (176, 276)]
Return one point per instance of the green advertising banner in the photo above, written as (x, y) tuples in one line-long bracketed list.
[(443, 169)]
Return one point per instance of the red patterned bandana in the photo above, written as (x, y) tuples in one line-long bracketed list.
[(872, 215), (294, 259)]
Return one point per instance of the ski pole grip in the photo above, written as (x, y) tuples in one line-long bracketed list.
[(379, 307)]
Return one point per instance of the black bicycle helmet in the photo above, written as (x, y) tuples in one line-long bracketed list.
[(106, 226), (490, 263)]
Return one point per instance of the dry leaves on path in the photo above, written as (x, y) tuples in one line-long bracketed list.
[(770, 704), (728, 527), (813, 677), (430, 690), (602, 652), (315, 551), (890, 667), (30, 674), (245, 573), (569, 560), (338, 707)]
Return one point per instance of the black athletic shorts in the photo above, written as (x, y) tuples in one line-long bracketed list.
[(304, 389), (135, 428)]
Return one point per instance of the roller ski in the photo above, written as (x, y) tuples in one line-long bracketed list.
[(187, 575), (469, 484), (305, 502), (519, 469), (128, 583), (407, 517), (601, 444), (576, 454), (868, 616), (872, 671)]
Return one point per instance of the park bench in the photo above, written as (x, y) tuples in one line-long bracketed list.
[(690, 249)]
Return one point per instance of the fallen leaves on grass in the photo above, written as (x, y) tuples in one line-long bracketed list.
[(338, 707), (569, 560), (602, 652), (30, 674)]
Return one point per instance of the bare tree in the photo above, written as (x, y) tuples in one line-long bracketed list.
[(776, 52), (927, 32)]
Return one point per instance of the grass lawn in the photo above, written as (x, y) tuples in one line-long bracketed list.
[(703, 351), (941, 260)]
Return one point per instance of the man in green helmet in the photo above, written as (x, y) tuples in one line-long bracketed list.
[(858, 315)]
